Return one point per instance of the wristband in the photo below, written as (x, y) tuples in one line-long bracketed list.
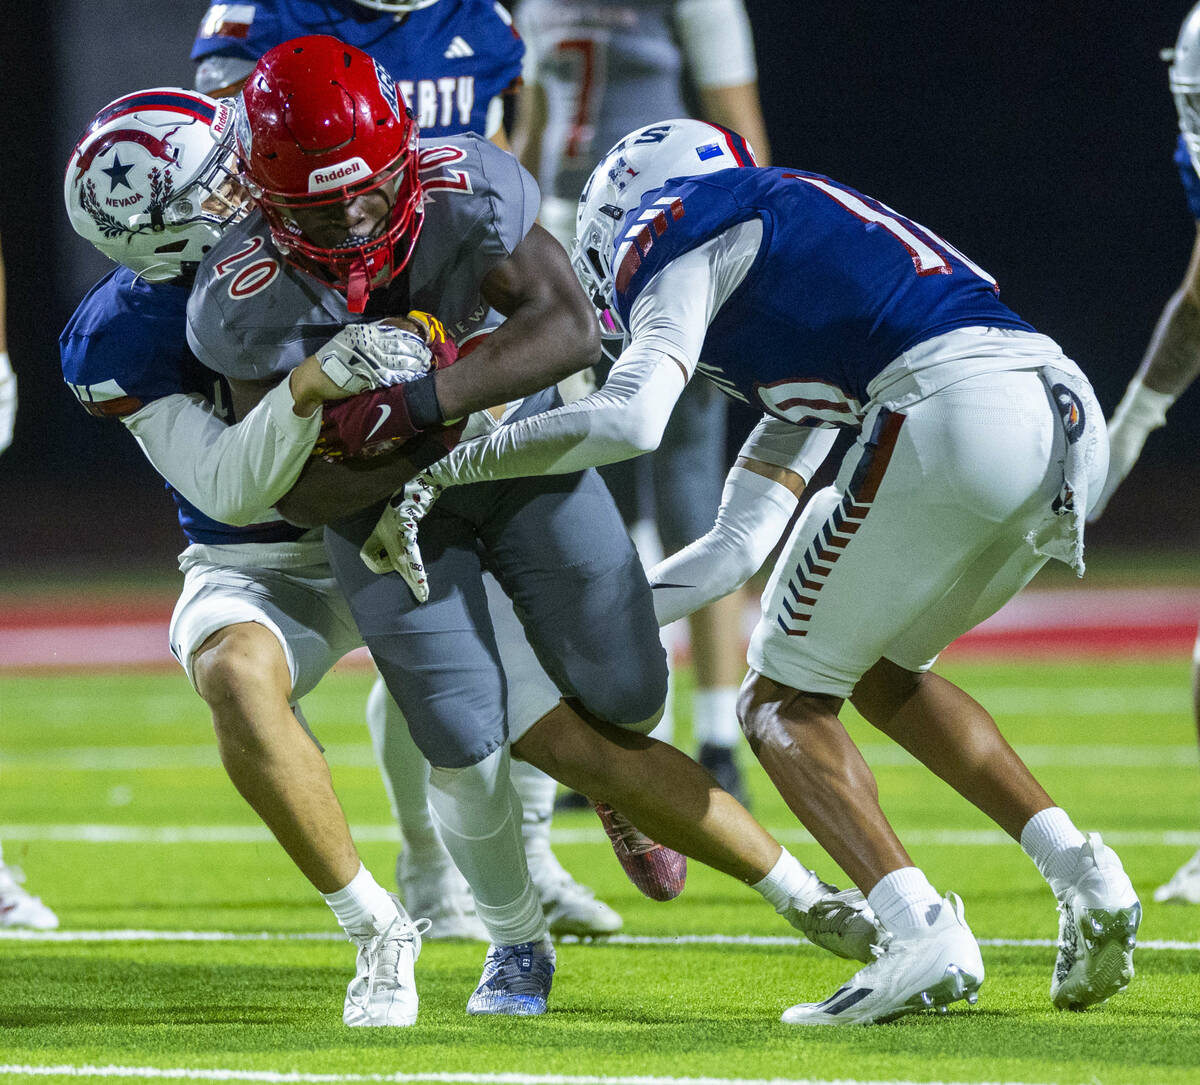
[(423, 407)]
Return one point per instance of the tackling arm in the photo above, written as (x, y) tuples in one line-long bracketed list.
[(668, 322), (321, 491), (232, 473), (550, 332)]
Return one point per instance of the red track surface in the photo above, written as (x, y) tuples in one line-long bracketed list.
[(1037, 624)]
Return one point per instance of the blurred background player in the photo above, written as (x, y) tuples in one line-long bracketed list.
[(18, 908), (1172, 359), (455, 62), (595, 70)]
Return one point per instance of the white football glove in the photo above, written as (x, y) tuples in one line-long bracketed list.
[(1141, 411), (392, 546), (8, 401), (363, 356)]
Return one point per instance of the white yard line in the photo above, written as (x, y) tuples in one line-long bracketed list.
[(629, 940), (283, 1077), (360, 755)]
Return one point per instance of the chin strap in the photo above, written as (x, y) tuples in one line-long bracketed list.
[(358, 286)]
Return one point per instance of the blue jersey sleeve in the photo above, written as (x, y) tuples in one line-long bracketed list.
[(239, 30), (125, 347), (669, 222), (1187, 174)]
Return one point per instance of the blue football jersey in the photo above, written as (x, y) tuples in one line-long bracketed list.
[(841, 285), (450, 59), (125, 346), (1187, 174)]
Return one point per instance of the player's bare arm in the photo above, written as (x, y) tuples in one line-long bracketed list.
[(550, 331), (1172, 360), (1171, 364)]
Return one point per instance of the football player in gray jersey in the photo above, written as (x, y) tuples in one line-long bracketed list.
[(355, 217), (227, 48), (595, 70)]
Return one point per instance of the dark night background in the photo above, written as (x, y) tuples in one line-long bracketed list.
[(1035, 137)]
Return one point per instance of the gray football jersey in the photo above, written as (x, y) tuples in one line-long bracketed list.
[(251, 316), (607, 67)]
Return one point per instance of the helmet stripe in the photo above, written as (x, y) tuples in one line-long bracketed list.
[(179, 101), (738, 147)]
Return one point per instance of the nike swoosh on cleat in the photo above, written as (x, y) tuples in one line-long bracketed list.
[(384, 413)]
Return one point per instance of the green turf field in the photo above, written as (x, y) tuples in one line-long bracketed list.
[(114, 802)]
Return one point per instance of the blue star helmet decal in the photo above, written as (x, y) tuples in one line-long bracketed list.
[(118, 174)]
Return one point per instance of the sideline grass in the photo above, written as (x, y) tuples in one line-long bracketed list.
[(679, 1011)]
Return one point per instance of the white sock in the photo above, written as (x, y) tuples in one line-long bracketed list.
[(520, 920), (406, 780), (536, 791), (714, 712), (478, 816), (1051, 840), (363, 906), (787, 881), (904, 900)]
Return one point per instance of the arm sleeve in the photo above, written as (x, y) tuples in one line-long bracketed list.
[(628, 415), (231, 473), (623, 419), (784, 444), (716, 39), (755, 512)]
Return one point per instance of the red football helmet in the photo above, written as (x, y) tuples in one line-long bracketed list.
[(330, 151)]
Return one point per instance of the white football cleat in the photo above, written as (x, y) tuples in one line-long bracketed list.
[(1098, 919), (569, 907), (841, 922), (1184, 886), (383, 992), (516, 980), (19, 908), (441, 894), (916, 970)]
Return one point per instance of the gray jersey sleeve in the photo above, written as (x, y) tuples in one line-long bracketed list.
[(479, 205), (478, 197)]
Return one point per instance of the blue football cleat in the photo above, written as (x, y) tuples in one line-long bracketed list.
[(516, 980)]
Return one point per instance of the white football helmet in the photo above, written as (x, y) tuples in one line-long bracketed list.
[(637, 164), (396, 7), (151, 182), (1184, 75)]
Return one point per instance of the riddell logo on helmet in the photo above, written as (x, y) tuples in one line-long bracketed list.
[(338, 176)]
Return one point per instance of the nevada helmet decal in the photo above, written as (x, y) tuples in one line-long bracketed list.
[(160, 181)]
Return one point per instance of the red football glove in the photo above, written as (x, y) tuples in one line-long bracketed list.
[(372, 423)]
